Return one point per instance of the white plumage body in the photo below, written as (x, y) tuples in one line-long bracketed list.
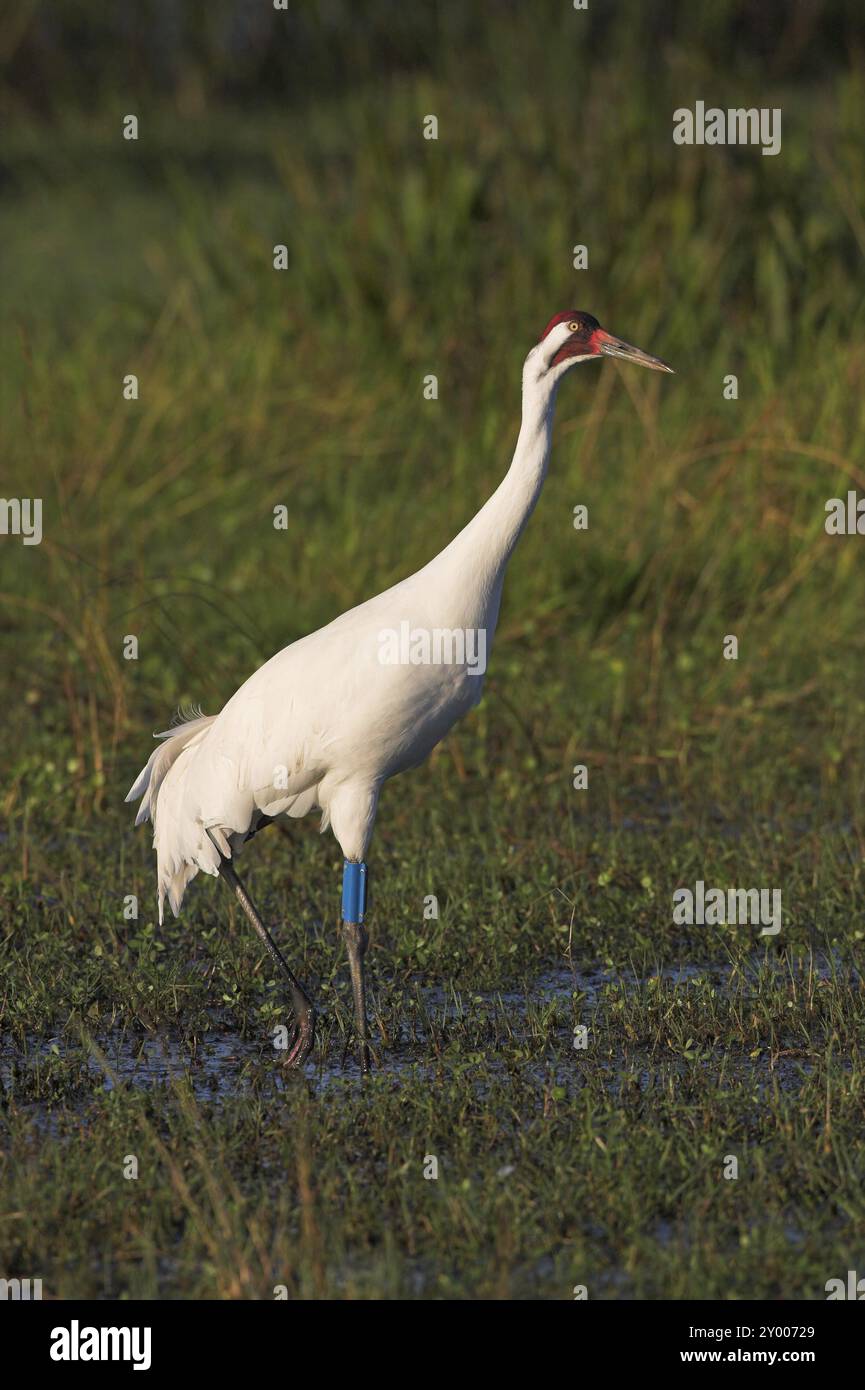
[(324, 722), (320, 726)]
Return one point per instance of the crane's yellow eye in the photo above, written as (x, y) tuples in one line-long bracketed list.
[(573, 326)]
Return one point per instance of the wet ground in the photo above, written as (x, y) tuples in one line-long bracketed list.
[(220, 1062)]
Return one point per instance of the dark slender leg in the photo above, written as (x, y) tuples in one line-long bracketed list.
[(303, 1011), (353, 908), (356, 941)]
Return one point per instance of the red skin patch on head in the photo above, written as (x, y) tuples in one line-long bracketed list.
[(585, 341), (580, 345), (560, 318)]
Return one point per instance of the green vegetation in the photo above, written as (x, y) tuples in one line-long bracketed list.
[(558, 1166)]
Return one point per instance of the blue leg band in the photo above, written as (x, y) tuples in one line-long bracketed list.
[(353, 892)]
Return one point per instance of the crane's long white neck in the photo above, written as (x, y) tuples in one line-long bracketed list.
[(475, 560)]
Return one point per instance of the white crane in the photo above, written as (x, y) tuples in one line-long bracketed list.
[(325, 722)]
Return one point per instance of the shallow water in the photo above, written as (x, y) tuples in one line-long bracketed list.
[(220, 1063)]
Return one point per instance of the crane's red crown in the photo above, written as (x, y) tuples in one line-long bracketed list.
[(587, 322), (583, 341)]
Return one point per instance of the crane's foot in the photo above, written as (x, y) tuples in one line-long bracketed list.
[(303, 1038)]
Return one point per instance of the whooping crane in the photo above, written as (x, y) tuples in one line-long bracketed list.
[(324, 723)]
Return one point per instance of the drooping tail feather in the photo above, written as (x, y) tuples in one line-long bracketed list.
[(174, 870), (152, 775)]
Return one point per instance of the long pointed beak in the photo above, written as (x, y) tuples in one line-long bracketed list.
[(617, 347)]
